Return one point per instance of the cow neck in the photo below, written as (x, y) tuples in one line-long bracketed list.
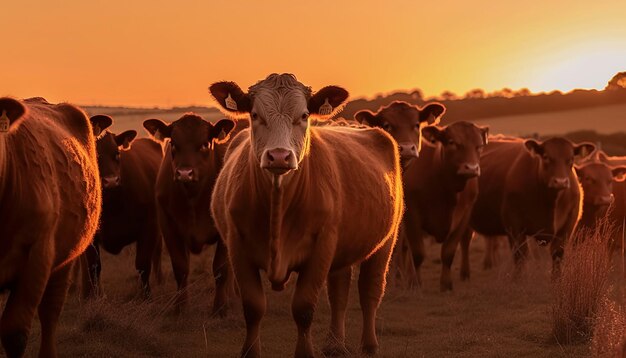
[(281, 191), (446, 178)]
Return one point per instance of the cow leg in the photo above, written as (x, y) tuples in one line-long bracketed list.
[(372, 281), (519, 246), (223, 280), (254, 304), (448, 249), (143, 261), (556, 251), (25, 296), (466, 239), (50, 309), (416, 243), (156, 260), (338, 290), (310, 282), (91, 267), (179, 256), (491, 246)]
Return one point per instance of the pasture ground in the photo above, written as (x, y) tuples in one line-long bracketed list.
[(488, 316)]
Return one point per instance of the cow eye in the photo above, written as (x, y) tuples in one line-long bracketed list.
[(387, 127), (570, 162), (255, 116), (305, 116), (117, 157), (173, 148), (480, 149), (452, 143), (204, 147)]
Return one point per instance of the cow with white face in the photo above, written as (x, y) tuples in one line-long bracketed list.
[(287, 198)]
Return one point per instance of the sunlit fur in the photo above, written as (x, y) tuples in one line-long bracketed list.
[(50, 206)]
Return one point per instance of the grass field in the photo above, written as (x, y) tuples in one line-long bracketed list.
[(487, 317)]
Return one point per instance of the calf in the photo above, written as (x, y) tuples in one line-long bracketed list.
[(193, 158), (311, 200), (49, 207), (529, 188), (128, 175)]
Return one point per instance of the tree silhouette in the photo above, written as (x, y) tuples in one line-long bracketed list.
[(448, 96), (476, 93), (618, 82)]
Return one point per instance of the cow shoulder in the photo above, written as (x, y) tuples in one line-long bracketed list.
[(76, 122)]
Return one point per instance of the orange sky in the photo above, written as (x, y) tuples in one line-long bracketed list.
[(166, 53)]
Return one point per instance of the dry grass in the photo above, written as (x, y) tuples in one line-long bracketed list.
[(609, 332), (487, 317), (583, 285)]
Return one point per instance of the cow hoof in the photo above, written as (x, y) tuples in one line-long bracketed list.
[(446, 287), (370, 350), (335, 349), (14, 343), (465, 276)]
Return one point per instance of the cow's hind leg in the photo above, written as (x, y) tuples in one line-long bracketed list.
[(338, 291), (24, 298), (223, 280), (50, 309), (143, 261), (448, 249), (91, 267), (372, 280)]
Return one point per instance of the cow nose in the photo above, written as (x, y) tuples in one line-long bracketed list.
[(605, 200), (111, 181), (469, 170), (185, 175), (559, 183), (408, 150), (278, 161)]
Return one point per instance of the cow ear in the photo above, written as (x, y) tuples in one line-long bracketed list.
[(619, 173), (12, 112), (534, 147), (220, 131), (328, 101), (583, 150), (231, 99), (432, 113), (433, 134), (99, 123), (484, 131), (367, 118), (125, 138), (157, 129)]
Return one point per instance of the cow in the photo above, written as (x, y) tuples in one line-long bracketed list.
[(440, 180), (194, 151), (128, 170), (597, 180), (312, 200), (50, 202), (529, 188)]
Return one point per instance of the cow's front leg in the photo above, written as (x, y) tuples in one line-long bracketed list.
[(338, 291)]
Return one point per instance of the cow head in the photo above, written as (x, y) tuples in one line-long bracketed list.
[(279, 108), (191, 140), (12, 112), (556, 156), (597, 182), (461, 143), (404, 122), (108, 147)]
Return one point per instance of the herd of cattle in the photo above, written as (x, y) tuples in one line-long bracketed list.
[(276, 193)]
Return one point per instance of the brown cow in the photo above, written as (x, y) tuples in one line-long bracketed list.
[(128, 175), (529, 188), (597, 180), (312, 200), (49, 208), (617, 213), (193, 158)]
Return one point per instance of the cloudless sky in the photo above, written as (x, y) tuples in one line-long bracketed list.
[(166, 53)]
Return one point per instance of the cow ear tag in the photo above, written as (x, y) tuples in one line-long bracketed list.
[(4, 122), (230, 103), (326, 108)]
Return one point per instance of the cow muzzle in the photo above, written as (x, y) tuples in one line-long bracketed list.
[(408, 152), (469, 170), (278, 161), (604, 200), (559, 183), (111, 181), (186, 175)]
